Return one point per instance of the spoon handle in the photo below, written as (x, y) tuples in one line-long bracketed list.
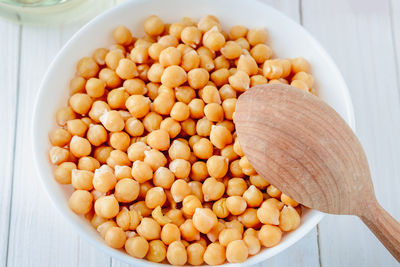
[(384, 227)]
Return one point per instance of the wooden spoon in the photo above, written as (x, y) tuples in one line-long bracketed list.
[(304, 148)]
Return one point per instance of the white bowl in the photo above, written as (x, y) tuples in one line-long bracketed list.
[(287, 39)]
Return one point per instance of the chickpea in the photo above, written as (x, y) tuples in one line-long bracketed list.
[(122, 35), (214, 112), (195, 252), (269, 235), (115, 237), (190, 61), (155, 197), (257, 80), (184, 94), (126, 190), (179, 190), (122, 172), (157, 251), (112, 121), (64, 114), (180, 168), (102, 153), (198, 78), (231, 50), (113, 57), (152, 121), (163, 177), (171, 126), (80, 147), (288, 200), (141, 171), (170, 233), (243, 43), (116, 98), (273, 191), (134, 127), (199, 171), (118, 157), (211, 95), (273, 69), (253, 196), (189, 127), (104, 179), (235, 169), (120, 140), (220, 77), (257, 36), (204, 220), (168, 41), (236, 187), (261, 52), (226, 91), (63, 172), (240, 81), (237, 251), (149, 229), (137, 247), (180, 111), (220, 136), (87, 68), (249, 218), (237, 31), (193, 139), (221, 63), (246, 167), (234, 224), (258, 181), (299, 84), (82, 179), (80, 103), (191, 36), (236, 204), (136, 151), (228, 152), (153, 25), (217, 166), (111, 79), (159, 139), (95, 87), (203, 127), (138, 105), (247, 64), (59, 137), (81, 201), (188, 231), (170, 56), (99, 55), (173, 76), (179, 150), (139, 54), (212, 189), (213, 39), (152, 88), (163, 103), (252, 243), (176, 216), (229, 106), (195, 187), (76, 127), (289, 219), (189, 205), (299, 64), (106, 206), (141, 208), (98, 109), (207, 62), (77, 85), (268, 213), (155, 159), (203, 148), (135, 86), (175, 29), (214, 254)]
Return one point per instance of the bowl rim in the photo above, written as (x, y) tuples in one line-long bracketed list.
[(312, 221)]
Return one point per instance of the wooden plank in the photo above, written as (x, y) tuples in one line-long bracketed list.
[(357, 34), (9, 53)]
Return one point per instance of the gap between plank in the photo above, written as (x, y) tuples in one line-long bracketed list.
[(15, 138), (396, 63)]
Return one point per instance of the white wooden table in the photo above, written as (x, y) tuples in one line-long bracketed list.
[(363, 36)]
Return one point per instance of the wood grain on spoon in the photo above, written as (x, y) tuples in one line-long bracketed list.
[(303, 147)]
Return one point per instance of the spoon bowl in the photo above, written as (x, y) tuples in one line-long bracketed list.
[(303, 147)]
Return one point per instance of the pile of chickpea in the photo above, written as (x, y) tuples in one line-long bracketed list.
[(149, 145)]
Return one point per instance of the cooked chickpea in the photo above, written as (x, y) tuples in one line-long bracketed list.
[(221, 62), (80, 103), (170, 233), (204, 220), (300, 84), (137, 247), (179, 150), (59, 137), (175, 29), (220, 136), (188, 231), (155, 197), (82, 179), (273, 191), (253, 196), (246, 167), (217, 166), (170, 56), (190, 61), (235, 169), (261, 52), (189, 204), (139, 55), (236, 187), (112, 121), (122, 35), (229, 106), (153, 25), (249, 218), (122, 172), (134, 127), (300, 64), (198, 78), (199, 171), (185, 94), (214, 254), (76, 127), (180, 168), (257, 36), (95, 87), (213, 39), (149, 229), (207, 62), (155, 159), (237, 251), (106, 206), (171, 126), (65, 114), (195, 252), (118, 157), (191, 36), (236, 205), (157, 251), (269, 235), (180, 111), (138, 105), (273, 69), (141, 171), (136, 151), (63, 172), (252, 243), (212, 189), (203, 148), (126, 190), (173, 76), (102, 153), (120, 140), (289, 219), (163, 177), (111, 79), (240, 81), (179, 190), (247, 64), (288, 200), (268, 213), (214, 112), (237, 31), (77, 85), (80, 147), (81, 201), (87, 68), (211, 95), (243, 43), (226, 91), (115, 237), (104, 179)]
